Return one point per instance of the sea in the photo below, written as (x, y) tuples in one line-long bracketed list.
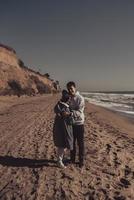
[(122, 102)]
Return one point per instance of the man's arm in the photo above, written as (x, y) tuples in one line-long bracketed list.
[(80, 108)]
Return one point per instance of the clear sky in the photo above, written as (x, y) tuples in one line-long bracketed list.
[(88, 41)]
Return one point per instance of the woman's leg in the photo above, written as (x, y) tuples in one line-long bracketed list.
[(60, 153)]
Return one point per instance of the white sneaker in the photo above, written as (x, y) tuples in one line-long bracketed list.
[(61, 164)]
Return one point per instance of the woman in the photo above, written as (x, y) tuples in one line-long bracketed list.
[(62, 129)]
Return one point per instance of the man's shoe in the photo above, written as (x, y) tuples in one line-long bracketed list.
[(72, 161), (81, 165)]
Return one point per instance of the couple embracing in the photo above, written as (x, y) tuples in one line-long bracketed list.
[(69, 125)]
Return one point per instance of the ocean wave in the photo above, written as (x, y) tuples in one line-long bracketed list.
[(117, 102)]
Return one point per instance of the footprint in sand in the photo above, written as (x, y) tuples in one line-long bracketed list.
[(108, 148), (124, 183), (127, 171), (119, 198), (116, 161)]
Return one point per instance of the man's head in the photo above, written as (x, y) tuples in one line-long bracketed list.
[(71, 88)]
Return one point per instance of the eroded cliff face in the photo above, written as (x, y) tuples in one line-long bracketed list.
[(15, 78), (8, 56)]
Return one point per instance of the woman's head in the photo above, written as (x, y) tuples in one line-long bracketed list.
[(65, 95)]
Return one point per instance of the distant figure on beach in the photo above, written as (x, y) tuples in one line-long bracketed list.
[(62, 129), (77, 104)]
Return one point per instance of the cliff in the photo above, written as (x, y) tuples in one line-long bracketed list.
[(17, 79)]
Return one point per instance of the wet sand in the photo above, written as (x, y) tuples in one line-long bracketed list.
[(28, 167)]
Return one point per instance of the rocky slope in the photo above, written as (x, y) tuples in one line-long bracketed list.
[(16, 78)]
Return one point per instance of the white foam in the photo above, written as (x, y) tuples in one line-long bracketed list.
[(117, 102), (127, 112)]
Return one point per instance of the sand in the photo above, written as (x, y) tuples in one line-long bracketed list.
[(28, 169)]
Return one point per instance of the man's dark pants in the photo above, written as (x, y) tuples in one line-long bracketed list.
[(78, 134)]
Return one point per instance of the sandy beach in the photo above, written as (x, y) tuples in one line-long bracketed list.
[(28, 169)]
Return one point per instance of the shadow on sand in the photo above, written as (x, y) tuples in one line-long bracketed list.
[(25, 162)]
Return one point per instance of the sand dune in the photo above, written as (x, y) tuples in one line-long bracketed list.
[(28, 167)]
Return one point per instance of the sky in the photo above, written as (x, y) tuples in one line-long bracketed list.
[(90, 42)]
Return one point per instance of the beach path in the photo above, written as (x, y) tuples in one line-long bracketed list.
[(28, 167)]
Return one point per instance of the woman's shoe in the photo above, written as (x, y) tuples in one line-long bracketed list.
[(61, 164)]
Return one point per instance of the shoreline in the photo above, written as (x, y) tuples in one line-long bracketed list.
[(127, 116), (131, 116), (115, 118)]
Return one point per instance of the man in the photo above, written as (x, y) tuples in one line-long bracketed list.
[(77, 105)]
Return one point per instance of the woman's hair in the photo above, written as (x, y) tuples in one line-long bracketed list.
[(65, 95)]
